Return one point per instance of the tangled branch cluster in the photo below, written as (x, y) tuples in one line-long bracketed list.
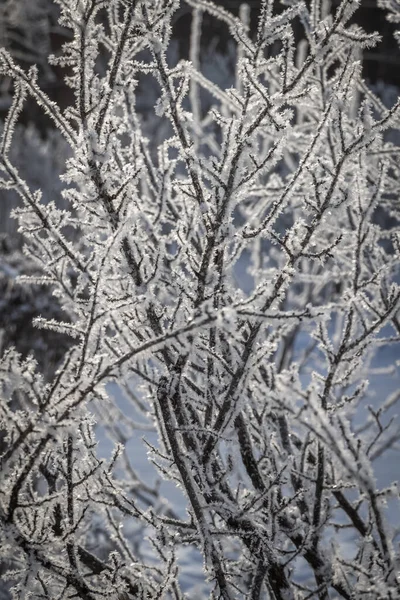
[(256, 390)]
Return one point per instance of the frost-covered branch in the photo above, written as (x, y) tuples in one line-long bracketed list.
[(227, 282)]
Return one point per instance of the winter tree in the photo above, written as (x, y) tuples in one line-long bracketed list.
[(234, 280)]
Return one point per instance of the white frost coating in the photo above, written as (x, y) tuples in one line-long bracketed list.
[(229, 289)]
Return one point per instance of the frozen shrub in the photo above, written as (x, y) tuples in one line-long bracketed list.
[(235, 284)]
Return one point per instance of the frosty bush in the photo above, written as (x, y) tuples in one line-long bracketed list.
[(236, 281)]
